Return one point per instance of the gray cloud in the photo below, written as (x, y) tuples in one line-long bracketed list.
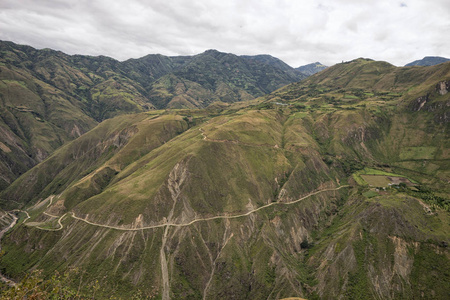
[(297, 32)]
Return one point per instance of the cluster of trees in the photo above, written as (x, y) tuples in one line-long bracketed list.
[(431, 198)]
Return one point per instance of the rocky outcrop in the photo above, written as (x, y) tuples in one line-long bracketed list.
[(418, 104), (428, 103), (443, 87)]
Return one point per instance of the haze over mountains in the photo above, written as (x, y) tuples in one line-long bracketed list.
[(225, 177)]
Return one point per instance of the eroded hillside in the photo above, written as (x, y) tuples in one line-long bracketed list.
[(336, 187), (48, 97)]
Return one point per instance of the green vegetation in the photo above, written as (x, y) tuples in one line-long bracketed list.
[(268, 198), (376, 178), (49, 98), (431, 198), (58, 286), (417, 153), (370, 194)]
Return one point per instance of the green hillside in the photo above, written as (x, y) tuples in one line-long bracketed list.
[(48, 98), (332, 187)]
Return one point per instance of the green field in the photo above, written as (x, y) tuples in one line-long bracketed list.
[(369, 171), (379, 178), (376, 180), (370, 194)]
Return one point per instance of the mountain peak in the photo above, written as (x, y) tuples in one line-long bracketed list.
[(312, 68), (212, 51), (428, 61)]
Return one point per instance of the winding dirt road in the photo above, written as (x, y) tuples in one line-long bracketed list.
[(167, 225), (61, 226), (210, 218)]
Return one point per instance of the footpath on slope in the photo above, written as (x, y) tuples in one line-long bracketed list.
[(205, 219), (167, 225)]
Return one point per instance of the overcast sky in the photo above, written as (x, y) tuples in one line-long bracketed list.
[(298, 32)]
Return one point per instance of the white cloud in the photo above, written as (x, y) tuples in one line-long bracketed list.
[(297, 32)]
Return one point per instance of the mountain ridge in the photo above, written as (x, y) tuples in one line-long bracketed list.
[(49, 97), (428, 61), (363, 144)]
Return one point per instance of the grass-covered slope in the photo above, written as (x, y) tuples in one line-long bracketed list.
[(222, 167), (48, 97), (387, 247), (116, 142), (35, 119), (104, 87), (257, 200)]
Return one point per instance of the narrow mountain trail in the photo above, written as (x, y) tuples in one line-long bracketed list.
[(61, 226), (11, 225), (168, 224), (25, 212), (36, 225)]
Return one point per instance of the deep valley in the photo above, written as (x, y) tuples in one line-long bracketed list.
[(182, 178)]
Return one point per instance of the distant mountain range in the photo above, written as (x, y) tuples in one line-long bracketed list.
[(428, 61), (311, 69)]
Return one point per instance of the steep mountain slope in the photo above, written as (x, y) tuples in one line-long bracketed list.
[(178, 183), (277, 63), (284, 196), (35, 119), (428, 61), (128, 83), (48, 97), (217, 76), (91, 151)]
